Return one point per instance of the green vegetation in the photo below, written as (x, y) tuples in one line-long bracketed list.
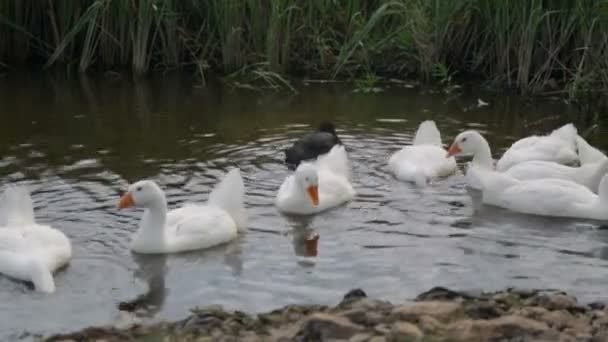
[(534, 46)]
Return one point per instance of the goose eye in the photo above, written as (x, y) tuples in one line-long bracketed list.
[(138, 188), (464, 139)]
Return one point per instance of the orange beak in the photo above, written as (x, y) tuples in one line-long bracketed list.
[(313, 192), (126, 201), (453, 150)]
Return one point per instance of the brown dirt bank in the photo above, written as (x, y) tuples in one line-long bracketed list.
[(436, 315)]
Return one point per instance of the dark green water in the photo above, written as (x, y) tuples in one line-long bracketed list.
[(78, 144)]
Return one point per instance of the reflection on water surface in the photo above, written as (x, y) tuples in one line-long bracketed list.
[(78, 144)]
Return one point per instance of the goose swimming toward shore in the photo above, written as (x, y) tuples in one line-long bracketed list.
[(312, 145), (29, 251), (190, 227), (315, 187), (471, 142), (424, 159)]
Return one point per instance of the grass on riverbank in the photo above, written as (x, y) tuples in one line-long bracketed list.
[(533, 46)]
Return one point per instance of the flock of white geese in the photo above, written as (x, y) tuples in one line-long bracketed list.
[(536, 175)]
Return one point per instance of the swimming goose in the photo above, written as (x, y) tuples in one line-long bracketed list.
[(29, 251), (588, 154), (312, 145), (546, 197), (470, 142), (559, 147), (318, 186), (191, 227), (424, 159)]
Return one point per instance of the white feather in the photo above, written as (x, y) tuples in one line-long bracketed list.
[(229, 194)]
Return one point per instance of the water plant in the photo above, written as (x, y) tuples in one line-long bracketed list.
[(534, 46), (368, 84)]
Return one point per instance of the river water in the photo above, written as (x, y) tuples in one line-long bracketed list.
[(78, 144)]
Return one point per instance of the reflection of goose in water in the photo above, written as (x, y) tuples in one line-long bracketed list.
[(483, 215), (233, 257), (305, 239), (305, 242), (151, 269), (600, 234), (230, 253)]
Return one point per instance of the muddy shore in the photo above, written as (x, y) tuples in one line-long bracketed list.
[(437, 315)]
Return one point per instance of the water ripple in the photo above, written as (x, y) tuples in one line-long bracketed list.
[(394, 239)]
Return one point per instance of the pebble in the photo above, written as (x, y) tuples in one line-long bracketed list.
[(437, 315)]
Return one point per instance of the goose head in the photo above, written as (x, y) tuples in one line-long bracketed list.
[(307, 179), (142, 194), (465, 144), (328, 127)]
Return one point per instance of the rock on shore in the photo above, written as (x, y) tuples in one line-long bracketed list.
[(437, 315)]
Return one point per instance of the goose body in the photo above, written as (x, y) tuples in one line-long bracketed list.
[(588, 175), (29, 251), (546, 197), (318, 186), (472, 143), (312, 145), (191, 227), (424, 159), (588, 154), (559, 147)]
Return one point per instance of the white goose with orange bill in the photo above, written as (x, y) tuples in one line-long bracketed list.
[(191, 227), (471, 142), (315, 187)]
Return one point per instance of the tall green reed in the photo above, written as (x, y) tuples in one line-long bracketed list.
[(534, 46)]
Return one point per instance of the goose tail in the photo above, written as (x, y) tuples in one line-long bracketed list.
[(229, 194), (16, 207), (336, 161), (588, 154), (567, 132), (427, 134), (593, 173)]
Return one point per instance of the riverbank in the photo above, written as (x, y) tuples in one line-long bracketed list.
[(437, 315), (534, 47)]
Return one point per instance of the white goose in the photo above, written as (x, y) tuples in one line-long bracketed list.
[(192, 226), (559, 146), (472, 143), (588, 154), (317, 186), (424, 159), (546, 197), (29, 251)]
